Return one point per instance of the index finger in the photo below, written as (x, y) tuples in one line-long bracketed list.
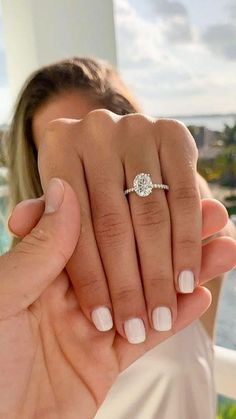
[(58, 156)]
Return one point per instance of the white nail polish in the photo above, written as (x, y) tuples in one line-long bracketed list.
[(186, 282), (102, 319), (135, 330), (162, 319)]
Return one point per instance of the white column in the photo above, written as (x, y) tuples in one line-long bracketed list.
[(38, 32)]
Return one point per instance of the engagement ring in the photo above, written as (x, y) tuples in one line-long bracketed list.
[(143, 185)]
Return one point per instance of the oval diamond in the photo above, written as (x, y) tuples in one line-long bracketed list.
[(143, 184)]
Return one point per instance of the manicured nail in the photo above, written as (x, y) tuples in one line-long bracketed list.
[(102, 319), (162, 319), (186, 282), (135, 330), (54, 196)]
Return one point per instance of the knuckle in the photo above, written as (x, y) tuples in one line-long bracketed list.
[(54, 138), (59, 130), (99, 117), (56, 127), (89, 285), (111, 228), (137, 125), (157, 280), (38, 238), (134, 119), (41, 242), (150, 214), (171, 125), (174, 130), (124, 295), (98, 126), (187, 195), (188, 242)]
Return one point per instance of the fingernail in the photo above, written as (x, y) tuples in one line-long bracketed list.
[(186, 282), (162, 319), (54, 196), (135, 330), (102, 319)]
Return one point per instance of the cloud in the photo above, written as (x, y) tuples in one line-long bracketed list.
[(221, 40), (175, 19), (232, 9), (179, 31), (148, 59), (138, 38), (169, 9), (169, 77)]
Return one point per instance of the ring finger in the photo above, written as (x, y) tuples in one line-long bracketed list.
[(151, 222), (115, 238)]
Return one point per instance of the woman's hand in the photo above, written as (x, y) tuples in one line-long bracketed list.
[(54, 364), (134, 253)]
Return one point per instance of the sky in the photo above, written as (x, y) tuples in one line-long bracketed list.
[(179, 57)]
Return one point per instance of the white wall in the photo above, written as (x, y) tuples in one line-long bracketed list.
[(38, 32)]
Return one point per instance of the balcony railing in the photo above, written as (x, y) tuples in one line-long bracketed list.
[(225, 372)]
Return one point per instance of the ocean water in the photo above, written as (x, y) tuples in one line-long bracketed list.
[(213, 122)]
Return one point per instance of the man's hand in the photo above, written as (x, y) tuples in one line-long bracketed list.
[(54, 364)]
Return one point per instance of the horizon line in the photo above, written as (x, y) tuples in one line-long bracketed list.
[(207, 115), (210, 115)]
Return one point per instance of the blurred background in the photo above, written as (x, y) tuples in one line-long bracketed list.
[(179, 58)]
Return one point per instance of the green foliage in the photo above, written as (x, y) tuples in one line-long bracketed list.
[(209, 170), (231, 211), (230, 198), (229, 135), (226, 162), (227, 410), (222, 169)]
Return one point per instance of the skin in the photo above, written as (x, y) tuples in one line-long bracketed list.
[(110, 275), (119, 291), (54, 363)]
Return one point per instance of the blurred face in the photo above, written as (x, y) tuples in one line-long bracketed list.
[(72, 105)]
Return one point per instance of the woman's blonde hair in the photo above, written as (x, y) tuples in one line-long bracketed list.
[(94, 76)]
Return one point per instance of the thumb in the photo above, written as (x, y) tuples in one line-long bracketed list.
[(28, 269)]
